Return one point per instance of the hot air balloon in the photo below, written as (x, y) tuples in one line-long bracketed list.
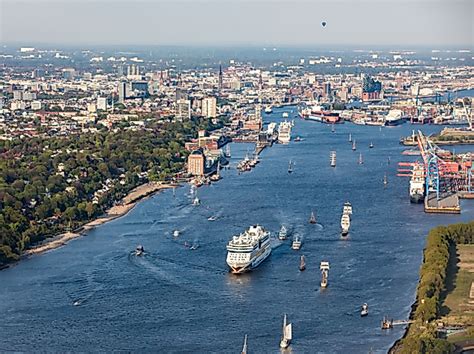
[(323, 23)]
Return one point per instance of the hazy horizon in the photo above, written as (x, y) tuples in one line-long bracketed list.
[(242, 23)]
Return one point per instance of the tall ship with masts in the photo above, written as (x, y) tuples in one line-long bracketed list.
[(247, 250), (346, 219)]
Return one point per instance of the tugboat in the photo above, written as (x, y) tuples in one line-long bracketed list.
[(139, 250), (287, 334), (324, 267), (302, 263), (386, 323), (296, 245), (312, 218), (283, 233), (364, 310)]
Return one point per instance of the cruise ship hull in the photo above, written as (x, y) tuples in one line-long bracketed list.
[(239, 268), (394, 122)]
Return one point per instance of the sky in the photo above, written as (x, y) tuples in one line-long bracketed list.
[(424, 23)]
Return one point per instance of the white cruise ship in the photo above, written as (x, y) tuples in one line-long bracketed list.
[(247, 250), (284, 132)]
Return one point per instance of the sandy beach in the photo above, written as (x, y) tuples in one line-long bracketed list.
[(122, 208)]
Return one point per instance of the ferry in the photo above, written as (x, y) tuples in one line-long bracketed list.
[(364, 310), (247, 250), (296, 245), (287, 334), (324, 267), (283, 233), (284, 132), (139, 250), (417, 184)]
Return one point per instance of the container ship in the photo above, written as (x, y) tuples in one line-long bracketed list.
[(417, 184), (247, 250)]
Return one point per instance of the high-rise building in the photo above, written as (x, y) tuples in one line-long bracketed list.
[(183, 109), (69, 73), (196, 163), (208, 107), (122, 91), (327, 89)]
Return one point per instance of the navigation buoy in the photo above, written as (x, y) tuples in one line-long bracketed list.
[(323, 23)]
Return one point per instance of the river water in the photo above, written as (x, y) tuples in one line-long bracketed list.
[(175, 300)]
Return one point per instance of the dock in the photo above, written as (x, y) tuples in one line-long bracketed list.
[(445, 205)]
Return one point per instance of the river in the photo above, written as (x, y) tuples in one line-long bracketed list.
[(175, 300)]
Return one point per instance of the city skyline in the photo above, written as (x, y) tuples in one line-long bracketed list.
[(240, 22)]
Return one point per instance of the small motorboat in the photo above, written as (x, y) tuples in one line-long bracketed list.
[(296, 244), (386, 323), (283, 233), (176, 233), (212, 218), (371, 145), (364, 310), (139, 250), (196, 201), (195, 246), (297, 139)]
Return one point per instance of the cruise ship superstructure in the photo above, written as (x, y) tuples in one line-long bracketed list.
[(247, 250), (284, 132)]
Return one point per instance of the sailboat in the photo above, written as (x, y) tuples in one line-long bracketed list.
[(324, 267), (333, 129), (227, 151), (302, 263), (196, 201), (312, 218), (287, 334), (350, 137), (354, 145), (244, 348), (290, 166), (361, 161), (385, 180)]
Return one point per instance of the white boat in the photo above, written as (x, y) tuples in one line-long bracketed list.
[(371, 145), (139, 250), (284, 132), (247, 250), (244, 348), (290, 166), (350, 137), (324, 267), (287, 333), (312, 218), (345, 224), (283, 233), (268, 109), (296, 244), (176, 233), (196, 201), (333, 158), (361, 160), (212, 218), (385, 180), (354, 147), (364, 310)]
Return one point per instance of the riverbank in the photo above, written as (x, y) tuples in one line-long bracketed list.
[(436, 289), (119, 210)]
